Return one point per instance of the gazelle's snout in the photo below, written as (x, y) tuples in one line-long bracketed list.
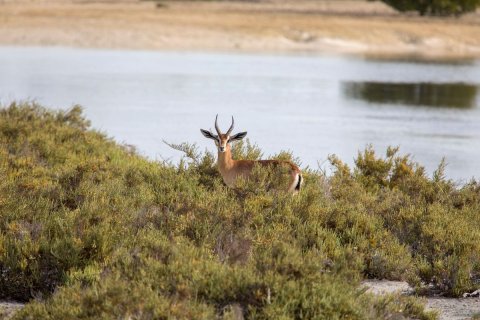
[(222, 145)]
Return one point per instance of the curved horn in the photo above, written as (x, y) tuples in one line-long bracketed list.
[(216, 126), (231, 127)]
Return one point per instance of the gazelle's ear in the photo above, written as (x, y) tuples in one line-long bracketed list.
[(238, 136), (208, 134)]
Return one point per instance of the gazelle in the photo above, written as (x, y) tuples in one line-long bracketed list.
[(231, 169)]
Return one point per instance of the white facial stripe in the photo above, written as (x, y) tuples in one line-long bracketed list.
[(222, 145)]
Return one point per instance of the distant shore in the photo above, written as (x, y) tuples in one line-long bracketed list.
[(303, 26)]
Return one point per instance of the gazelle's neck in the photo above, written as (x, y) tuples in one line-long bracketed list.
[(225, 161)]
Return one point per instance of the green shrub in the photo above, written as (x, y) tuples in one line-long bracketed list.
[(436, 221), (92, 230), (435, 7)]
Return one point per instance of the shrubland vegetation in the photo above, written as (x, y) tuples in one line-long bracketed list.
[(91, 230), (435, 7)]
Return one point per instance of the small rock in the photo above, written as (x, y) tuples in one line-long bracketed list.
[(473, 294)]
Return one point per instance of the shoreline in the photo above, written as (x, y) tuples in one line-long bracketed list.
[(346, 27), (397, 56)]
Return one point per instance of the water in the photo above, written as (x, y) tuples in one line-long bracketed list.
[(311, 105)]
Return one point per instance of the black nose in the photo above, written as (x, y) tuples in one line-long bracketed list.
[(221, 148)]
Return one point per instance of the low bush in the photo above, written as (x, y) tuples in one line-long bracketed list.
[(89, 230), (435, 7)]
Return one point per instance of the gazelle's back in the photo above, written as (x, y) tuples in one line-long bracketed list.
[(291, 171)]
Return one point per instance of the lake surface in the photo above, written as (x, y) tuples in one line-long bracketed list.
[(311, 105)]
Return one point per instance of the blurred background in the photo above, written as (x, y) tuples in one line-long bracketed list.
[(315, 77)]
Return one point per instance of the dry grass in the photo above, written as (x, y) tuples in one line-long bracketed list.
[(347, 26)]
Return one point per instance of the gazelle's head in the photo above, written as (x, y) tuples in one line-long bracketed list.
[(223, 139)]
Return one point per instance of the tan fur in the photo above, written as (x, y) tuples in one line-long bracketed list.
[(231, 169)]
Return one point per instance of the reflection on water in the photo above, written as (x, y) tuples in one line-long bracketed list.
[(451, 95), (421, 59)]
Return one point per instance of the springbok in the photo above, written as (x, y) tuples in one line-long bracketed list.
[(231, 169)]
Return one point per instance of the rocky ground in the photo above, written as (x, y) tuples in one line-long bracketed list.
[(448, 308)]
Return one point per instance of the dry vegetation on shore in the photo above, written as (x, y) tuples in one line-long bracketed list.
[(345, 26)]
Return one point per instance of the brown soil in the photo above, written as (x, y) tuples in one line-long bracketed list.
[(316, 26)]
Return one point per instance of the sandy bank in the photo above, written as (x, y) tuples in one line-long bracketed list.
[(345, 26), (447, 308)]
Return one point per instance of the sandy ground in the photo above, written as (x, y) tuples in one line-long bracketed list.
[(448, 308), (313, 26), (7, 309)]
